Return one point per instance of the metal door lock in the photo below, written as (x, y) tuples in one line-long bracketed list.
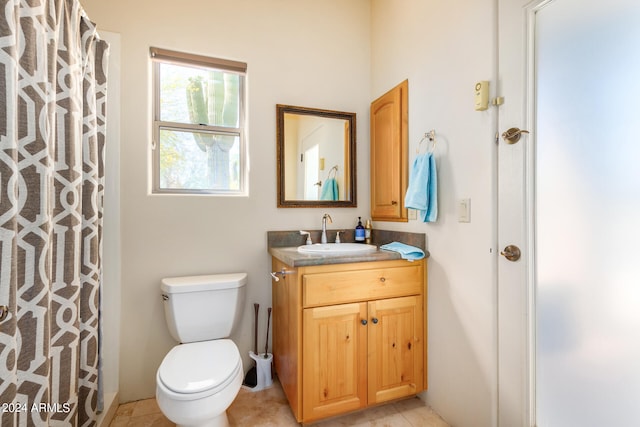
[(511, 252)]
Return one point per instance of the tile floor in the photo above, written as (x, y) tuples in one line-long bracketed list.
[(270, 408)]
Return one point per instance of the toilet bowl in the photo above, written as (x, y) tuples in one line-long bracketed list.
[(199, 379), (197, 382)]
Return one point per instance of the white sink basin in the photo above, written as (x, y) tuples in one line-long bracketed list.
[(336, 248)]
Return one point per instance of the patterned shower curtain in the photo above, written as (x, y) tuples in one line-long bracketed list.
[(52, 134)]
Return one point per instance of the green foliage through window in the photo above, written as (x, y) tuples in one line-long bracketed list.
[(198, 130)]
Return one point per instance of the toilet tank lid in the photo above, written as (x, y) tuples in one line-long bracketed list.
[(177, 285)]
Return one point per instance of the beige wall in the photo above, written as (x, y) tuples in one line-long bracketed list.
[(313, 54), (443, 48), (332, 54)]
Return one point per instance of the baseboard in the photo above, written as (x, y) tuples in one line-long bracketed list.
[(110, 408)]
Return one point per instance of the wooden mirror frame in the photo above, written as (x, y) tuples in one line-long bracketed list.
[(281, 110)]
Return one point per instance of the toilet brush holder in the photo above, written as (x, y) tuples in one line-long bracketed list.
[(263, 370)]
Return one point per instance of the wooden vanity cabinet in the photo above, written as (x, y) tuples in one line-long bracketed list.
[(347, 336), (389, 156)]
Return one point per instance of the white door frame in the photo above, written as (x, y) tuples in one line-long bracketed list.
[(516, 213)]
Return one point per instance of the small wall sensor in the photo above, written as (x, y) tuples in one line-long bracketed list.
[(482, 95)]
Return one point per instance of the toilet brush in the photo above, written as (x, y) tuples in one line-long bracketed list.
[(251, 379), (266, 344)]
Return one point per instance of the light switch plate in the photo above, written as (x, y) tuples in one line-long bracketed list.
[(413, 214)]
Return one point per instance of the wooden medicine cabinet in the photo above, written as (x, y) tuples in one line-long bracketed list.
[(389, 156)]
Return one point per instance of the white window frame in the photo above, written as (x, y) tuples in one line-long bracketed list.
[(160, 56)]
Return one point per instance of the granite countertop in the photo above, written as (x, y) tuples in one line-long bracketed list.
[(283, 245)]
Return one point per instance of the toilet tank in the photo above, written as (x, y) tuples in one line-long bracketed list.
[(201, 308)]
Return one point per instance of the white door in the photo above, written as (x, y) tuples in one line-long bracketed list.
[(311, 177), (569, 198)]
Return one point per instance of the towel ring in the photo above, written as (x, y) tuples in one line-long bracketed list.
[(431, 136)]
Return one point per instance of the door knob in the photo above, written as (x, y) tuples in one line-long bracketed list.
[(512, 135), (511, 252)]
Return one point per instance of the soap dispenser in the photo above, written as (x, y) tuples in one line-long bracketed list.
[(359, 231)]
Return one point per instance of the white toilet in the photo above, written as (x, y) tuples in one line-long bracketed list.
[(199, 379)]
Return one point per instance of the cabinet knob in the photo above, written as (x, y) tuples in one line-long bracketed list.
[(394, 202), (363, 321), (382, 279), (374, 320)]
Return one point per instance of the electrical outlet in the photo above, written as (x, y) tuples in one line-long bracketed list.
[(464, 210), (413, 214)]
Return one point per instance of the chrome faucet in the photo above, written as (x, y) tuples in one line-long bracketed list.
[(323, 238)]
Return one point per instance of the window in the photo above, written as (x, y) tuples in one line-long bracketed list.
[(198, 124)]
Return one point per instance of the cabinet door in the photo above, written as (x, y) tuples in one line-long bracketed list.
[(334, 360), (389, 158), (396, 348)]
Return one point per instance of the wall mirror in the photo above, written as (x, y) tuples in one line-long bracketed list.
[(316, 157)]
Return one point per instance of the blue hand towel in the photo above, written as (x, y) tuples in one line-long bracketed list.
[(408, 252), (422, 192), (329, 190)]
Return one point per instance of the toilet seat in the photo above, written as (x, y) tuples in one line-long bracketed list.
[(199, 369)]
